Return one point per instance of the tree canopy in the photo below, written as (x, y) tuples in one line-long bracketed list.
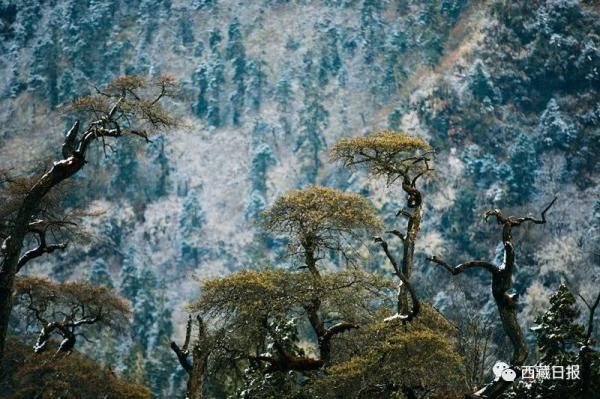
[(320, 217), (388, 154), (63, 309), (48, 376)]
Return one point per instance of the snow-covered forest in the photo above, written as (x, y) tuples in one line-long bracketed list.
[(284, 199)]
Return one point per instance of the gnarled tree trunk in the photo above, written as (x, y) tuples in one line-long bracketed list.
[(506, 300)]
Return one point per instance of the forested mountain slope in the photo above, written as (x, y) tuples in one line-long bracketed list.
[(506, 92)]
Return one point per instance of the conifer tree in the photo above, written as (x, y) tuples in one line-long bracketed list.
[(99, 274)]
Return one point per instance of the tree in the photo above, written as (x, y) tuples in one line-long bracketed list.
[(330, 61), (371, 29), (554, 130), (236, 53), (129, 282), (395, 119), (524, 160), (481, 85), (257, 315), (99, 274), (65, 309), (262, 159), (395, 156), (393, 74), (159, 373), (200, 78), (283, 94), (72, 376), (255, 205), (317, 219), (191, 222), (128, 106), (563, 342), (505, 296), (215, 83), (257, 82), (380, 360), (145, 310), (159, 169), (313, 119), (197, 365)]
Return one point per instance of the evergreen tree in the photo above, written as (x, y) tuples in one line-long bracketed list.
[(99, 274), (203, 4), (158, 368), (184, 31), (200, 79), (128, 277), (554, 130), (255, 205), (149, 18), (159, 169), (235, 45), (236, 53), (560, 339), (126, 176), (395, 119), (313, 120), (192, 219), (214, 40), (256, 83), (330, 61), (134, 365), (144, 309), (393, 73), (217, 80), (523, 158), (44, 72), (451, 9), (559, 336), (283, 94), (371, 28), (481, 85), (67, 87), (29, 14), (262, 158)]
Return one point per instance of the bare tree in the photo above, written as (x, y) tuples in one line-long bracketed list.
[(129, 105), (504, 296)]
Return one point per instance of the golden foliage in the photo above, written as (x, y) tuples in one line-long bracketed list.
[(275, 290), (419, 354), (92, 104), (49, 376), (78, 299), (241, 302), (135, 100), (320, 215), (387, 153), (129, 82)]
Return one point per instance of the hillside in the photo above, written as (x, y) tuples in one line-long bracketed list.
[(507, 93)]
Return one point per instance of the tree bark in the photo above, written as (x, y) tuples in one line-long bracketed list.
[(324, 335), (196, 369), (415, 202), (506, 300), (13, 245)]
